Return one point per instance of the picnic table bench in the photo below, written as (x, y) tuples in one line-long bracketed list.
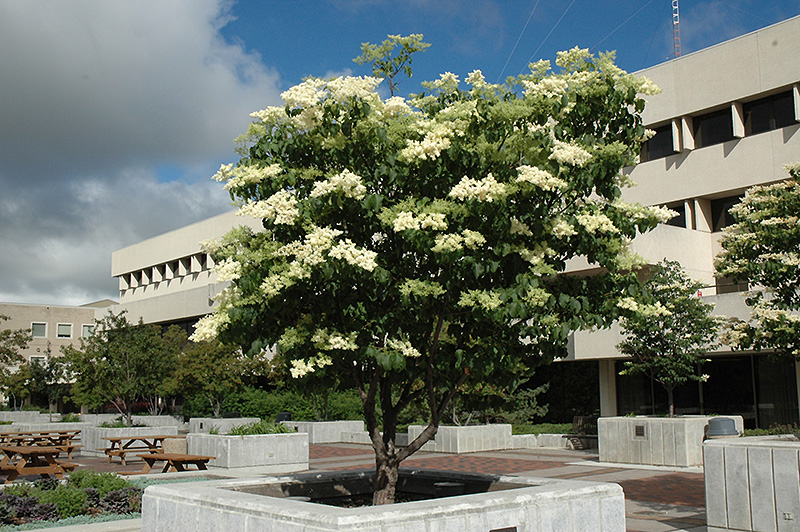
[(32, 460), (122, 445), (63, 439), (174, 461)]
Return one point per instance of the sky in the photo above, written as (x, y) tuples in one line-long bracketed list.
[(114, 115)]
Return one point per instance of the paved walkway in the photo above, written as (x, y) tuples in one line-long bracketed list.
[(656, 499)]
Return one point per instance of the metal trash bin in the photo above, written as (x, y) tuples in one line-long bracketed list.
[(721, 427)]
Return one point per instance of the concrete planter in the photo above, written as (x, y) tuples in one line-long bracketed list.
[(544, 441), (220, 424), (468, 439), (35, 427), (273, 453), (662, 441), (94, 444), (753, 483), (325, 431), (504, 504)]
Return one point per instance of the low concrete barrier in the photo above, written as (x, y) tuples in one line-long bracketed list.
[(94, 444), (467, 439), (326, 431), (277, 453)]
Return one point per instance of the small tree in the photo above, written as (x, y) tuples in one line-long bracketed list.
[(48, 379), (762, 248), (211, 370), (12, 341), (416, 245), (669, 332), (120, 363)]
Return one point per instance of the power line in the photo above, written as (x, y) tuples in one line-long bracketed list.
[(518, 39), (618, 27), (548, 36)]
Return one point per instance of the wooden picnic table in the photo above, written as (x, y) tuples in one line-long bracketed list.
[(59, 438), (173, 461), (122, 445), (32, 460)]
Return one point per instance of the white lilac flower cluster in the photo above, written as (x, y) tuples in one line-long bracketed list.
[(395, 106), (486, 189), (301, 368), (547, 87), (596, 222), (353, 255), (281, 208), (637, 212), (346, 182), (325, 340), (657, 309), (447, 82), (569, 153), (237, 176), (537, 297), (476, 79), (209, 325), (541, 178), (308, 95), (227, 270), (436, 139), (487, 300), (407, 220), (562, 228), (450, 242), (404, 347), (519, 228), (420, 288)]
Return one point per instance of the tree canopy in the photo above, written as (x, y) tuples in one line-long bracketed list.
[(122, 363), (12, 341), (762, 248), (669, 331), (415, 244)]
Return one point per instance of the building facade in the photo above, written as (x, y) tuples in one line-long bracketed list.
[(727, 119)]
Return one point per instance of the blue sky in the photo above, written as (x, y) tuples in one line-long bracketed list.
[(115, 114)]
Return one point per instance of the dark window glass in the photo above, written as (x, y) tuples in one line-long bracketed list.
[(659, 145), (713, 128), (726, 285), (680, 219), (719, 212), (766, 114)]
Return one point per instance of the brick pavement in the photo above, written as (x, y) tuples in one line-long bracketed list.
[(685, 489)]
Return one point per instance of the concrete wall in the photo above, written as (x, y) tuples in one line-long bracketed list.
[(660, 441), (220, 425), (753, 483), (274, 453), (468, 439), (325, 431)]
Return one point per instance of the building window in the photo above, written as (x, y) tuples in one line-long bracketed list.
[(659, 145), (38, 360), (766, 114), (39, 330), (712, 128), (64, 330), (726, 285), (680, 219), (721, 218), (86, 331)]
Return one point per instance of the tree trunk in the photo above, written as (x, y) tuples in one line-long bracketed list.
[(387, 474), (671, 401)]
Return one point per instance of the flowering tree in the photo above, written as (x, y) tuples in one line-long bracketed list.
[(669, 332), (762, 248), (416, 244)]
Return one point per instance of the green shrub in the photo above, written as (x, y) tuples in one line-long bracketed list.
[(260, 427), (70, 418), (102, 482), (118, 423), (773, 429), (69, 500), (542, 428), (255, 402)]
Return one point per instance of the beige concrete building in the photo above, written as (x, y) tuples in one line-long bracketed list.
[(727, 118), (52, 326)]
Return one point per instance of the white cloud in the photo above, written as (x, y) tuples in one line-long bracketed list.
[(97, 97)]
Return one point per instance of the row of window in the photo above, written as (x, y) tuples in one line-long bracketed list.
[(175, 269), (758, 116), (720, 213), (63, 330)]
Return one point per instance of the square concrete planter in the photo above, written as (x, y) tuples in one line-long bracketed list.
[(753, 483), (94, 444), (222, 425), (662, 441), (504, 504), (466, 439), (272, 453), (325, 431)]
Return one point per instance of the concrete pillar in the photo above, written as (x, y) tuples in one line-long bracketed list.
[(737, 113), (687, 133), (702, 215), (608, 388), (796, 92), (677, 145), (688, 218)]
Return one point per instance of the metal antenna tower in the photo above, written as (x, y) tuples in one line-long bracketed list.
[(676, 29)]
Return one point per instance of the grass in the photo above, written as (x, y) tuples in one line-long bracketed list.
[(542, 428)]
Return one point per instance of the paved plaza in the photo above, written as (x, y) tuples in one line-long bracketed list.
[(656, 499)]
